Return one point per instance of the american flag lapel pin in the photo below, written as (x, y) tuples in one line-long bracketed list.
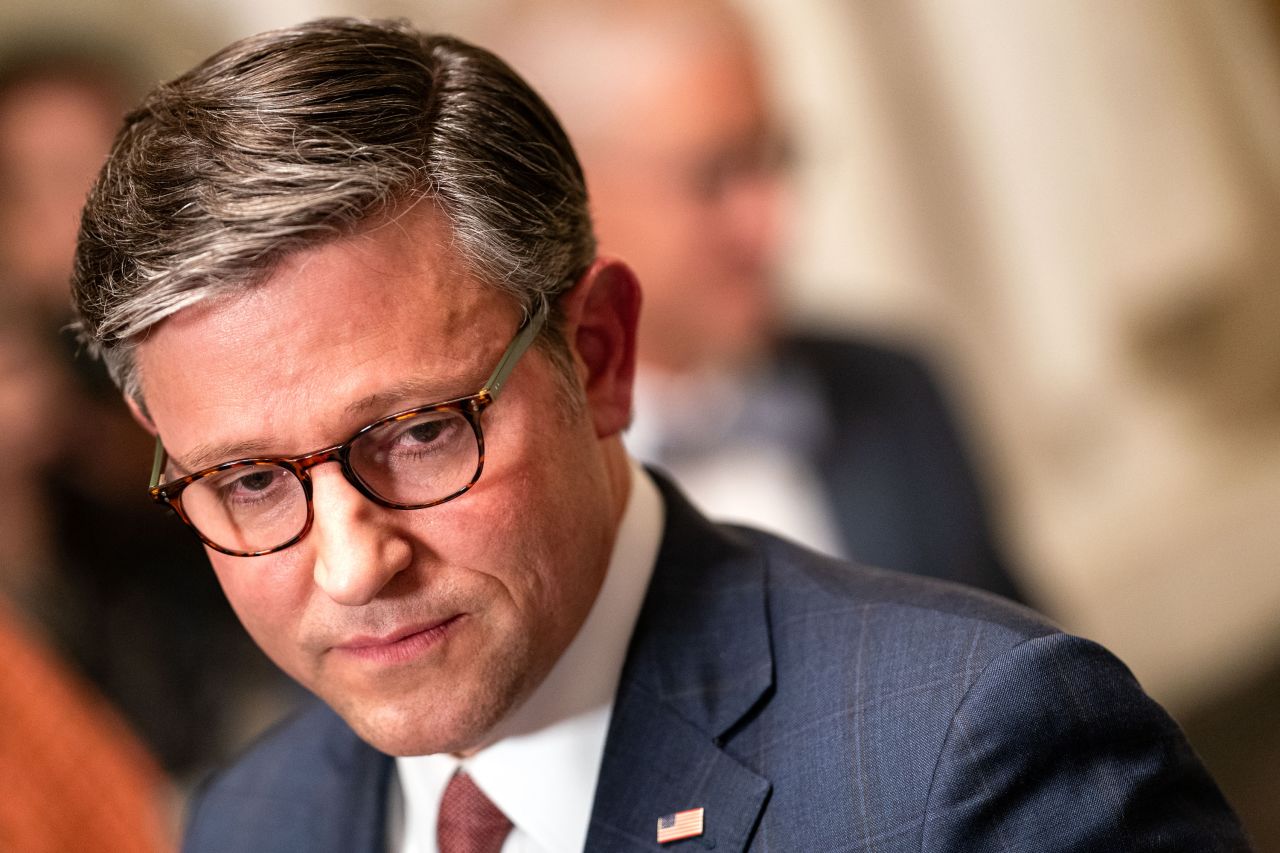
[(685, 824)]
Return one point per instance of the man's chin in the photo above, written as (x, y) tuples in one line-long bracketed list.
[(409, 725), (433, 710), (416, 731)]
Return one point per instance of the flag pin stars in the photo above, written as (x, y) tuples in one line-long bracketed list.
[(685, 824)]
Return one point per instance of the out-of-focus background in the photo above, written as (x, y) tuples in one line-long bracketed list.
[(1071, 206)]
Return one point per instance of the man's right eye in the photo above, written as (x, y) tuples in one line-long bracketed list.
[(422, 433), (258, 481), (419, 439), (250, 486)]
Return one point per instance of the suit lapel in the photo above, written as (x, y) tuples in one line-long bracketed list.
[(361, 821), (318, 788), (350, 813), (699, 663)]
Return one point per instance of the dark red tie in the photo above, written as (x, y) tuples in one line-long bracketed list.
[(468, 821)]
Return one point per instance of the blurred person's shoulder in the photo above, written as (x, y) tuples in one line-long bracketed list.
[(866, 367)]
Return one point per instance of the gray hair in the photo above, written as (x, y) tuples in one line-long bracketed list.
[(290, 138)]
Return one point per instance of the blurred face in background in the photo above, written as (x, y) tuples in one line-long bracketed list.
[(57, 123), (55, 132), (686, 182), (32, 392)]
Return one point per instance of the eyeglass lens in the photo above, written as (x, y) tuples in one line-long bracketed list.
[(415, 460)]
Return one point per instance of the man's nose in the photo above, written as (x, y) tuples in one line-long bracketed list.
[(357, 552), (751, 211)]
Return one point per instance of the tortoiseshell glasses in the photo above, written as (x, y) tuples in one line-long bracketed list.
[(413, 459)]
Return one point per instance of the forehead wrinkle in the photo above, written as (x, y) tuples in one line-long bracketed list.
[(407, 393)]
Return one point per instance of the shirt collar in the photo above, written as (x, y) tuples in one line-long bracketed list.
[(683, 418), (542, 770)]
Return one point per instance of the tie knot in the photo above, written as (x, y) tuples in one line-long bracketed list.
[(469, 822)]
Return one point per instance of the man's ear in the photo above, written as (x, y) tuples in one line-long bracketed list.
[(600, 314), (139, 413)]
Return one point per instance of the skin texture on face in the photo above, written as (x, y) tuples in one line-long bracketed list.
[(421, 628)]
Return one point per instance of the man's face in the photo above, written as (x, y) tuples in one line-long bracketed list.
[(686, 186), (421, 628)]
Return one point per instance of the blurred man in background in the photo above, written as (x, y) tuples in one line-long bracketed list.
[(845, 446)]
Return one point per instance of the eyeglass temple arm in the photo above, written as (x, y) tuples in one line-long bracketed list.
[(158, 466), (528, 332)]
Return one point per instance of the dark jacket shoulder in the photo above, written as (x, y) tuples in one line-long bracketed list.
[(929, 715), (309, 784)]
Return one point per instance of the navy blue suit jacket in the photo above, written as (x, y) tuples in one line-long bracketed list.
[(807, 705)]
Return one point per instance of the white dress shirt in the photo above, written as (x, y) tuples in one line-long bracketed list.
[(542, 770), (740, 448)]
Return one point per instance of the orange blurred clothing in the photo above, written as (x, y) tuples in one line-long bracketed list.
[(72, 775)]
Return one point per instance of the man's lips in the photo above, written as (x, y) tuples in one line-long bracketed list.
[(400, 645)]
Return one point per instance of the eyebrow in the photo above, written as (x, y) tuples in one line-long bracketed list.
[(413, 392), (204, 456), (402, 395)]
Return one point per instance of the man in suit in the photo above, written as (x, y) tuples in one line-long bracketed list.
[(846, 446), (345, 274)]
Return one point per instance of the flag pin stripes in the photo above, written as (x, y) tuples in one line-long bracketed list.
[(685, 824)]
